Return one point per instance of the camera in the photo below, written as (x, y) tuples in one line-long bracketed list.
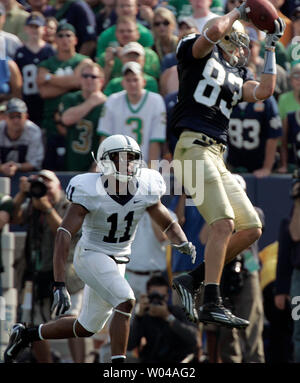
[(295, 181), (37, 188), (156, 298)]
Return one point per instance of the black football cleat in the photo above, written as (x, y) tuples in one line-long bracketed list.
[(217, 314), (183, 285), (16, 343)]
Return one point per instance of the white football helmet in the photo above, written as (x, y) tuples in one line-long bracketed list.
[(116, 144), (236, 38)]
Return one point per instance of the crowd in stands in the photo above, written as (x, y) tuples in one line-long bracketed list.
[(73, 72)]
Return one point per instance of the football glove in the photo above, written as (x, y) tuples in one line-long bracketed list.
[(272, 38), (243, 13), (187, 248), (61, 299)]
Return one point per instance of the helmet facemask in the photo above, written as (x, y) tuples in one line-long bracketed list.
[(236, 40), (123, 165)]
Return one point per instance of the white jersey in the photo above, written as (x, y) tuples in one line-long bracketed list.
[(111, 223), (145, 122)]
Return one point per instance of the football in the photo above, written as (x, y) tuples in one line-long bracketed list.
[(262, 14)]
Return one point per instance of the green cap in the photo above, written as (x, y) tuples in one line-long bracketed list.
[(66, 27)]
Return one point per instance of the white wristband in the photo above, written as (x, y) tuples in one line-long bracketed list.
[(60, 228)]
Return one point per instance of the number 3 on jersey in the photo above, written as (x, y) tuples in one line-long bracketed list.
[(214, 77)]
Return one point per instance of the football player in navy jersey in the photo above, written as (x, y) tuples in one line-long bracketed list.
[(212, 79), (108, 206), (27, 58), (254, 129)]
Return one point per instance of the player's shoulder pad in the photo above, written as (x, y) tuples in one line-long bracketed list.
[(83, 188), (152, 182)]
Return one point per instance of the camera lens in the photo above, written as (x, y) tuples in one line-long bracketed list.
[(38, 188)]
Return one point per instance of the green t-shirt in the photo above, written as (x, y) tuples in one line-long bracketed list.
[(151, 67), (81, 138), (287, 103), (56, 67), (183, 8), (115, 85), (109, 35), (6, 204)]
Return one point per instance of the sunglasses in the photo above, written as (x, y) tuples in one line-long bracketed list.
[(158, 23), (61, 35), (86, 75)]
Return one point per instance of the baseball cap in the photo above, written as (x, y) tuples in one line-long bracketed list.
[(133, 67), (65, 27), (296, 14), (36, 19), (2, 9), (16, 105), (133, 47), (49, 175), (188, 21)]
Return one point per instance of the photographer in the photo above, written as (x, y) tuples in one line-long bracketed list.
[(169, 336), (287, 284), (40, 204)]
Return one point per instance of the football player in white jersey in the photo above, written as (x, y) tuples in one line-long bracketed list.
[(108, 207)]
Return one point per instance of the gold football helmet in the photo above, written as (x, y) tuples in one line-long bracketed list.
[(235, 43)]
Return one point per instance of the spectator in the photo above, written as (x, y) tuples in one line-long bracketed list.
[(291, 144), (163, 28), (43, 215), (124, 8), (80, 112), (293, 48), (15, 18), (151, 261), (21, 147), (146, 11), (10, 75), (282, 83), (6, 212), (106, 17), (287, 290), (183, 8), (202, 13), (169, 77), (95, 5), (169, 336), (11, 41), (288, 33), (58, 75), (27, 58), (135, 52), (253, 133), (126, 32), (288, 102), (50, 31), (137, 113), (79, 14), (41, 6)]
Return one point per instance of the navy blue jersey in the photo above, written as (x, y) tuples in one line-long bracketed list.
[(293, 120), (208, 89), (250, 126), (27, 62)]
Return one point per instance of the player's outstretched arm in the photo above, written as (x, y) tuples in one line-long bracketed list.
[(214, 33), (255, 91), (70, 225), (160, 214)]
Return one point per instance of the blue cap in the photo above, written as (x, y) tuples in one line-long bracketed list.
[(36, 19)]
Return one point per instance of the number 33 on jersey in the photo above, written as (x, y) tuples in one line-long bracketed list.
[(111, 223)]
